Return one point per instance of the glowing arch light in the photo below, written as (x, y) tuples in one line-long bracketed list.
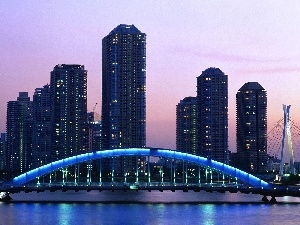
[(155, 152)]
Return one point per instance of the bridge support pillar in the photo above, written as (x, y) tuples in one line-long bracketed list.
[(186, 172), (137, 170), (148, 166), (273, 200), (100, 171), (174, 173), (199, 176), (171, 172), (161, 171), (265, 199), (113, 170)]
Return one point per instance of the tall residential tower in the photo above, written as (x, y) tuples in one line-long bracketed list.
[(19, 135), (251, 127), (186, 126), (2, 152), (41, 126), (212, 122), (124, 90), (69, 132)]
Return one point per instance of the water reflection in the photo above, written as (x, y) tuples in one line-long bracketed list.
[(209, 214), (147, 214), (64, 213)]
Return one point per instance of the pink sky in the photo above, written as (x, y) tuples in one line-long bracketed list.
[(248, 40)]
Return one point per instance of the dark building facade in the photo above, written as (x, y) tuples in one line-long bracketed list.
[(251, 127), (186, 125), (95, 131), (212, 120), (41, 136), (2, 152), (19, 123), (124, 89), (69, 130)]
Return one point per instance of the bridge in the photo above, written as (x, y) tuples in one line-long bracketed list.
[(184, 172)]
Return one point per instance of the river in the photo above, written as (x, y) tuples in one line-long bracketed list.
[(144, 207)]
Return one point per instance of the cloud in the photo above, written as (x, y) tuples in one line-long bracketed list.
[(273, 70), (245, 63), (230, 57)]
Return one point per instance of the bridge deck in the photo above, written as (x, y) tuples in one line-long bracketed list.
[(278, 191)]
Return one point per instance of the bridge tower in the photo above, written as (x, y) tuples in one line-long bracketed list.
[(287, 132)]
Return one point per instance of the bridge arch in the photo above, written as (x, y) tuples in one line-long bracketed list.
[(155, 152)]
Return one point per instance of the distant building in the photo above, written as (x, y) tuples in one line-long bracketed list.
[(273, 165), (69, 131), (2, 151), (124, 92), (95, 131), (251, 127), (297, 167), (212, 121), (186, 126), (41, 136), (19, 135)]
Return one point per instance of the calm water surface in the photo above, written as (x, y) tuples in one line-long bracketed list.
[(146, 208)]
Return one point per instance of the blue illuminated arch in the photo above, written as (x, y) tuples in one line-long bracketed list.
[(198, 160)]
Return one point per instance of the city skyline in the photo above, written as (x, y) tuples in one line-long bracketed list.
[(259, 43)]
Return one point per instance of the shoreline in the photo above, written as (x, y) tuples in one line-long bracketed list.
[(144, 197)]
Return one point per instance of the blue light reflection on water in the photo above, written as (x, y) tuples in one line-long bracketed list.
[(149, 208), (105, 213), (209, 211)]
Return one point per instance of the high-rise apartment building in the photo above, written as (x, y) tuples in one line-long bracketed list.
[(2, 151), (19, 135), (69, 131), (124, 89), (251, 127), (41, 135), (186, 126), (212, 122)]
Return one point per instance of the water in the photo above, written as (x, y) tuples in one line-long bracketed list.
[(145, 208)]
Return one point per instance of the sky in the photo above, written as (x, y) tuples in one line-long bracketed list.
[(250, 41)]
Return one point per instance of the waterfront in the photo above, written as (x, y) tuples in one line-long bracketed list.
[(145, 208)]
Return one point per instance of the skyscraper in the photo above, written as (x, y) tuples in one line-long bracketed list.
[(69, 132), (212, 99), (124, 90), (2, 151), (251, 127), (41, 126), (186, 126), (19, 134)]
